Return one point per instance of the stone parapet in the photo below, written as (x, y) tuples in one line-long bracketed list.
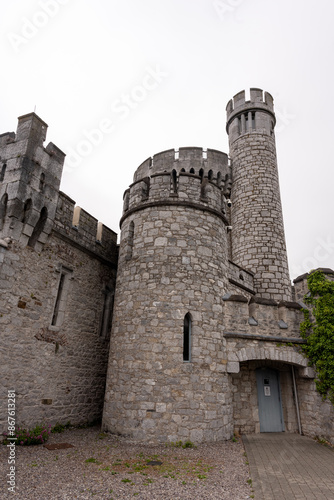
[(81, 228), (186, 158), (261, 317)]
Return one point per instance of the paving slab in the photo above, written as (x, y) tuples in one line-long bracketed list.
[(289, 466)]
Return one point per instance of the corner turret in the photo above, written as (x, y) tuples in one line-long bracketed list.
[(258, 241), (30, 179)]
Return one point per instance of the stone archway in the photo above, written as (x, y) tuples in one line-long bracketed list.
[(242, 365), (281, 354)]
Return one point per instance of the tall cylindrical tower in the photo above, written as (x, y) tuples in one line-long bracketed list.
[(258, 241), (167, 378)]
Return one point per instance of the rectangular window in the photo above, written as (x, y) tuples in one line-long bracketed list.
[(187, 338), (60, 305)]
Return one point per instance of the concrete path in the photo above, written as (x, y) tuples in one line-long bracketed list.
[(289, 466)]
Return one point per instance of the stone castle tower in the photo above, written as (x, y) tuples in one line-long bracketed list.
[(256, 218), (197, 293), (202, 258)]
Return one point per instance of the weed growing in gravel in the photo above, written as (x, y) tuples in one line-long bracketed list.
[(102, 435), (58, 428), (180, 444), (92, 461)]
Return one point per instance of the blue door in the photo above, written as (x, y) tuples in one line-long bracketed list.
[(269, 398)]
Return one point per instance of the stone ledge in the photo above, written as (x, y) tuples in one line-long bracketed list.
[(172, 203), (267, 338), (261, 300), (239, 285)]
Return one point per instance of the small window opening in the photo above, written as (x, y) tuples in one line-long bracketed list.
[(192, 171), (129, 245), (187, 338), (174, 181), (253, 120), (246, 122), (219, 179), (42, 182), (183, 169), (38, 228), (204, 189), (2, 172), (126, 200), (272, 128), (26, 211), (145, 189), (239, 125), (210, 175), (107, 312), (60, 305), (3, 210), (201, 173)]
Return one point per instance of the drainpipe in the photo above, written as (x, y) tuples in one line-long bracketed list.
[(296, 398)]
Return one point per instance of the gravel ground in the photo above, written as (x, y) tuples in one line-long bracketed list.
[(104, 466)]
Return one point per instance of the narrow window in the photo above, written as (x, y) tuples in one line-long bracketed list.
[(26, 211), (129, 245), (210, 175), (253, 120), (145, 189), (239, 125), (246, 122), (60, 305), (219, 179), (201, 173), (272, 128), (38, 228), (2, 172), (187, 338), (204, 189), (192, 171), (107, 312), (174, 181), (126, 200), (3, 210), (183, 169), (42, 182)]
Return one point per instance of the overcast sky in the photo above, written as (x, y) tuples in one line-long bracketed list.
[(120, 80)]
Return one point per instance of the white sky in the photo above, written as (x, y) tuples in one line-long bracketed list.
[(79, 62)]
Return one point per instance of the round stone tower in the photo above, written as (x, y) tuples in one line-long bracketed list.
[(166, 377), (258, 242)]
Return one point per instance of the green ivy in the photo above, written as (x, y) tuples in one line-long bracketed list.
[(319, 331)]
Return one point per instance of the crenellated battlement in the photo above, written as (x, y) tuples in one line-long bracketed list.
[(188, 159), (259, 316), (31, 205), (253, 116), (75, 224), (30, 179), (189, 176), (259, 100)]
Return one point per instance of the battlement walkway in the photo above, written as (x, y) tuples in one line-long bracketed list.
[(289, 466)]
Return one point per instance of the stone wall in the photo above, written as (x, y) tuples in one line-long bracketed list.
[(58, 372), (57, 279)]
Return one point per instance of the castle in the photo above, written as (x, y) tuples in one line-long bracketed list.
[(190, 328)]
